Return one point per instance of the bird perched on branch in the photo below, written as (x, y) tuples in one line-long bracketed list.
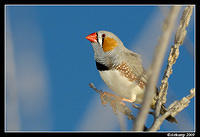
[(120, 69)]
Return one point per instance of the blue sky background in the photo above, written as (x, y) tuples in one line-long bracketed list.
[(49, 64)]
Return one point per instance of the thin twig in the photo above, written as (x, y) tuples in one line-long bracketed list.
[(174, 53), (156, 66)]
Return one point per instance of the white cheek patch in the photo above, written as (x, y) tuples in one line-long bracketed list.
[(100, 41)]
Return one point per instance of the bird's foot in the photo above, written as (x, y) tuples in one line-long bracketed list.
[(115, 99)]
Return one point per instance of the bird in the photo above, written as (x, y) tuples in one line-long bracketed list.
[(121, 69)]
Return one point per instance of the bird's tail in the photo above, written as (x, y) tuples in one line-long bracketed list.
[(169, 118), (163, 110)]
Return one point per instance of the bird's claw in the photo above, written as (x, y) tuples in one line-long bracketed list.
[(114, 101)]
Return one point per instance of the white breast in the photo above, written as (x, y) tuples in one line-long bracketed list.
[(122, 86)]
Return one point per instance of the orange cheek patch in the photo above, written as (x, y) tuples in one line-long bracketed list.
[(109, 44)]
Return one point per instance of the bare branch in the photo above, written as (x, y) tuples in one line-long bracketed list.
[(173, 110), (174, 53), (156, 66)]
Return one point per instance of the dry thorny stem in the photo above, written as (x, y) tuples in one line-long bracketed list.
[(174, 53), (176, 106)]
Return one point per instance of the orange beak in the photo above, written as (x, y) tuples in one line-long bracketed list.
[(92, 37)]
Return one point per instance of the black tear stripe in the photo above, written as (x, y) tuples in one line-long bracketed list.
[(101, 67), (102, 41), (97, 37)]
